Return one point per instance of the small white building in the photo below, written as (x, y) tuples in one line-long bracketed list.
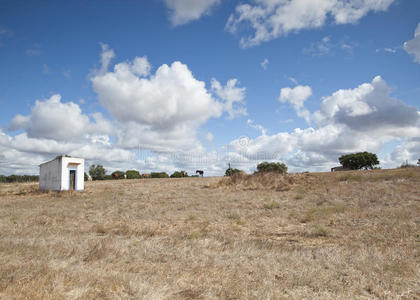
[(63, 173)]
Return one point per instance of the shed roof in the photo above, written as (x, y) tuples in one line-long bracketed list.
[(60, 157)]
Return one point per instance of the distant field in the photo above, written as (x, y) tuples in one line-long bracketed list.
[(343, 235)]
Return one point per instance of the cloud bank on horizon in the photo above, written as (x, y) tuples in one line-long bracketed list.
[(160, 118)]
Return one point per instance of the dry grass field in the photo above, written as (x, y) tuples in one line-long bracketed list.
[(343, 235)]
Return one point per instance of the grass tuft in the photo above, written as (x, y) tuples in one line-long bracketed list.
[(320, 231), (271, 205)]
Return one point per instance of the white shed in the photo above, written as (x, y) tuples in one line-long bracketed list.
[(62, 173)]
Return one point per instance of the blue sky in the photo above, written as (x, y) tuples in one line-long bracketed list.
[(181, 84)]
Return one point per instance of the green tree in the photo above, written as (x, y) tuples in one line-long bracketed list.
[(86, 177), (272, 167), (361, 160), (418, 161), (133, 174), (97, 172), (118, 175), (159, 175), (179, 174)]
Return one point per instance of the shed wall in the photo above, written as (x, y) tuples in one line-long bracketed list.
[(50, 175), (66, 166)]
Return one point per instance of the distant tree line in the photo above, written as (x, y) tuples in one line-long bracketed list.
[(354, 161), (19, 178), (98, 172)]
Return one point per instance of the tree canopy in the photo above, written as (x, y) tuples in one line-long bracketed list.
[(272, 167), (133, 174), (118, 175), (97, 172), (361, 160), (159, 175), (179, 174)]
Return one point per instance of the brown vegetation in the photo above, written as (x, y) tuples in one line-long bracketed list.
[(341, 235)]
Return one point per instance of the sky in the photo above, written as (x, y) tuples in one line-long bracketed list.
[(165, 85)]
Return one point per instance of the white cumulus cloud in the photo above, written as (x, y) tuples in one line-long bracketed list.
[(297, 97), (368, 106), (413, 46), (167, 99), (233, 96), (407, 151), (269, 19), (53, 119), (107, 55), (164, 109), (159, 112), (352, 120), (184, 11)]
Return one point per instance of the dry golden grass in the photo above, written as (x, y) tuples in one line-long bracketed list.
[(344, 235)]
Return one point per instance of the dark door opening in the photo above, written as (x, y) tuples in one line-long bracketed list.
[(72, 180)]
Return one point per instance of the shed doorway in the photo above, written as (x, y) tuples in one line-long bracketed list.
[(72, 186)]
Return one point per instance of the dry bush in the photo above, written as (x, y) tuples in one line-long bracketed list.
[(260, 181)]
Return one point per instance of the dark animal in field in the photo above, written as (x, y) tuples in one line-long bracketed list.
[(200, 172)]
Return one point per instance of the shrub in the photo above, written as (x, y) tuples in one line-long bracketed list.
[(118, 175), (86, 177), (133, 174), (97, 172), (265, 167), (360, 160), (159, 175), (231, 172), (179, 174)]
